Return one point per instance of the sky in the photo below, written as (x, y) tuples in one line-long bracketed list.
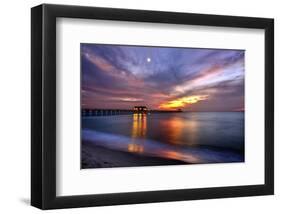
[(163, 78)]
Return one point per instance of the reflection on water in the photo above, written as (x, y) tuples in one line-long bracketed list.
[(189, 158), (189, 137), (139, 127), (135, 148), (175, 127)]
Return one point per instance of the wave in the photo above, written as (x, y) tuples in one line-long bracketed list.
[(147, 147)]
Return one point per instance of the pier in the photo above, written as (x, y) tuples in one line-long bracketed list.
[(105, 112), (135, 110)]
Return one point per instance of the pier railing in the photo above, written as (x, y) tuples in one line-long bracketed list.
[(109, 112), (105, 112)]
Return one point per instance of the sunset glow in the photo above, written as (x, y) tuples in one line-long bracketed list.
[(183, 102)]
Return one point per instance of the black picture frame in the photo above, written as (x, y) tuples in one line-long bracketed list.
[(43, 106)]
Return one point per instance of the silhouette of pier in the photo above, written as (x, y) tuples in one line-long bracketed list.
[(105, 112), (135, 110)]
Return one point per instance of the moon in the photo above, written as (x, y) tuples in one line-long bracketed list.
[(148, 59)]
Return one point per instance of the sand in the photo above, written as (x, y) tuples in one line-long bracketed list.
[(99, 157)]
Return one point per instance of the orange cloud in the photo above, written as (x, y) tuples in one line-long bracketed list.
[(183, 101)]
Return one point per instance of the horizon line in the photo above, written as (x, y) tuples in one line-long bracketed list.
[(175, 110)]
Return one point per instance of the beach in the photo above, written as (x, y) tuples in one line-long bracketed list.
[(94, 156)]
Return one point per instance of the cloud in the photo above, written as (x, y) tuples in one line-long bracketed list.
[(119, 76)]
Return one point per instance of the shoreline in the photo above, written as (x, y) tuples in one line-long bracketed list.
[(93, 156)]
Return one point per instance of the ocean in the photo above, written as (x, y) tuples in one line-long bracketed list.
[(189, 137)]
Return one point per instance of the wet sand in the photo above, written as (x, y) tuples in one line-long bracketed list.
[(99, 157)]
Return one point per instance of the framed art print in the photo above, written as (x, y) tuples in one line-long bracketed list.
[(132, 106)]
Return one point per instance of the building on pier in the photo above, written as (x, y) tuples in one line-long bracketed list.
[(140, 109)]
